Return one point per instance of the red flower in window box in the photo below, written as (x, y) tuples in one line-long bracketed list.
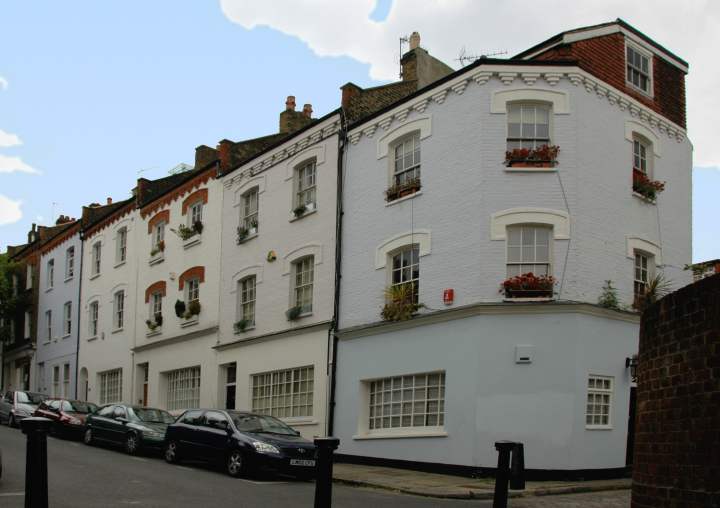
[(528, 285), (544, 156), (646, 187)]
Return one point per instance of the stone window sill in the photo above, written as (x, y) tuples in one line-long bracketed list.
[(189, 322), (404, 198), (94, 276), (247, 329), (536, 299), (400, 435), (49, 289), (193, 240), (68, 279), (118, 265), (157, 258), (598, 427), (309, 212), (94, 337), (248, 238), (299, 421), (153, 333), (527, 169), (117, 330), (66, 335), (643, 198)]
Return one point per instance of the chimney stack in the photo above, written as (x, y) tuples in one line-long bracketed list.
[(291, 120), (109, 201), (414, 41)]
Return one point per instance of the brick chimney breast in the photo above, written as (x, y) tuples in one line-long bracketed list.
[(307, 110), (109, 201), (290, 103)]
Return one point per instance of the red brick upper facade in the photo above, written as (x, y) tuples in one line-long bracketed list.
[(604, 56)]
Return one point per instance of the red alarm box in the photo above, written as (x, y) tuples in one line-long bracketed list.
[(448, 296)]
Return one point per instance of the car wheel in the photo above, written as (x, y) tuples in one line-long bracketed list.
[(171, 453), (132, 443), (235, 465), (88, 437)]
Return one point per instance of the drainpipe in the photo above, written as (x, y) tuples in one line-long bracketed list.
[(79, 310), (342, 142)]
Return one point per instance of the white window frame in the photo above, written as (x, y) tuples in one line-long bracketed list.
[(67, 318), (56, 382), (51, 273), (642, 155), (195, 212), (535, 245), (408, 258), (396, 396), (599, 394), (155, 304), (48, 325), (303, 273), (250, 212), (121, 246), (643, 271), (536, 140), (118, 310), (247, 294), (192, 289), (66, 380), (96, 258), (406, 164), (632, 67), (183, 388), (93, 318), (110, 386), (285, 393), (306, 191), (158, 233), (69, 263)]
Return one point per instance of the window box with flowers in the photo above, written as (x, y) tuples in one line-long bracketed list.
[(400, 190), (247, 232), (647, 189), (528, 286), (544, 156), (154, 326), (400, 303), (302, 210), (190, 235), (189, 312), (157, 253)]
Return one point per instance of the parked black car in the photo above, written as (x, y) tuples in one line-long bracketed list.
[(134, 427), (68, 416), (243, 442), (17, 405)]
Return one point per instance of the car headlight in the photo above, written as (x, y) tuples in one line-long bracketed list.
[(264, 447)]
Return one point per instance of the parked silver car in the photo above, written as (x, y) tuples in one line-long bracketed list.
[(17, 405)]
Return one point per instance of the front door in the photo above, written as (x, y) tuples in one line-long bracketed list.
[(631, 427)]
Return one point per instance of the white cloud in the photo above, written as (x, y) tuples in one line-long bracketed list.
[(15, 164), (3, 83), (333, 28), (9, 139), (9, 210)]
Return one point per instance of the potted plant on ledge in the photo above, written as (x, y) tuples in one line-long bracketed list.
[(400, 304), (193, 309), (187, 232), (647, 188), (242, 325), (544, 156), (400, 190), (293, 313), (157, 249), (154, 325), (528, 285), (244, 232)]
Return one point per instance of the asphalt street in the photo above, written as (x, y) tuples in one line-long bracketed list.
[(93, 476)]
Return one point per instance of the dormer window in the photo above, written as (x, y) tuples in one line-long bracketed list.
[(638, 69)]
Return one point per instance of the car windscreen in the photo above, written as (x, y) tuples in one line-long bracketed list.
[(261, 423), (78, 406), (29, 398), (153, 415)]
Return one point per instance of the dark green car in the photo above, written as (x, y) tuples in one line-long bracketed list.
[(135, 428)]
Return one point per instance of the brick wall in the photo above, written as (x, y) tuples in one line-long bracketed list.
[(604, 57), (677, 441)]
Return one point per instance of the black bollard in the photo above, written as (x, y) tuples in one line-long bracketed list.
[(324, 448), (500, 498), (517, 467), (36, 471)]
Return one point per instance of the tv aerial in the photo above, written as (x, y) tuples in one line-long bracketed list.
[(465, 59)]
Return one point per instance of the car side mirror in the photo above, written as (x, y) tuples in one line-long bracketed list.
[(297, 433)]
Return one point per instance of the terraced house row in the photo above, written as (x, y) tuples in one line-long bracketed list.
[(416, 272)]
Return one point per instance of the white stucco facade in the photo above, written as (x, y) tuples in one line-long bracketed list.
[(180, 346), (58, 316), (105, 359), (274, 347), (458, 221)]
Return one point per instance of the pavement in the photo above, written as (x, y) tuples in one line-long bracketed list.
[(83, 476), (456, 487)]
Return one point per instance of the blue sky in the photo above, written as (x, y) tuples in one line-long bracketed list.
[(100, 93)]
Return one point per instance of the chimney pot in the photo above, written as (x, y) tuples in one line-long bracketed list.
[(109, 201), (414, 40), (290, 103), (307, 110)]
